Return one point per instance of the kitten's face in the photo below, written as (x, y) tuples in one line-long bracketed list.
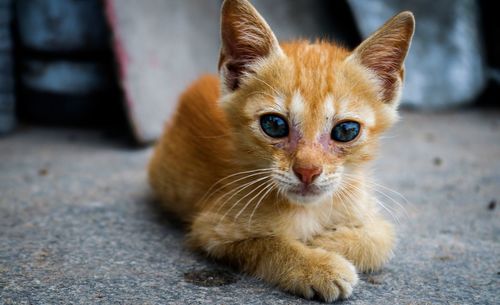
[(311, 113), (312, 116)]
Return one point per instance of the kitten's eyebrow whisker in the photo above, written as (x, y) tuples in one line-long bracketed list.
[(261, 93), (270, 87)]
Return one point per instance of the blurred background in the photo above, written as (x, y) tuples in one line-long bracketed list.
[(119, 65), (87, 85)]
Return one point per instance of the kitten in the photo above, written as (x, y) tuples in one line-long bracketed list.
[(267, 164)]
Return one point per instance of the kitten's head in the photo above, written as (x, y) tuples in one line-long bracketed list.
[(311, 112)]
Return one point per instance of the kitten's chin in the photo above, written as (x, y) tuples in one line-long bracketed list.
[(305, 197)]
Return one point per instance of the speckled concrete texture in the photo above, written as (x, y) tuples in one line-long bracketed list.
[(78, 224)]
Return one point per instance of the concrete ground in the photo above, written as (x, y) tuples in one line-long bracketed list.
[(78, 225)]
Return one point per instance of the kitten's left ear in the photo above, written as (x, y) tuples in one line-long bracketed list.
[(246, 39), (383, 53)]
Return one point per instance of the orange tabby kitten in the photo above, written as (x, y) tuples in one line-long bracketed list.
[(267, 164)]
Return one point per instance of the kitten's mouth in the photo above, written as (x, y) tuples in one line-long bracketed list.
[(305, 190), (305, 193)]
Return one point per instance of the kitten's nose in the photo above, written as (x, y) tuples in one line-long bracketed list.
[(307, 174)]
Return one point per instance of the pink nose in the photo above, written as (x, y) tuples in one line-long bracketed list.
[(307, 174)]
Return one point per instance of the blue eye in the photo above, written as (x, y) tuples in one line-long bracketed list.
[(345, 131), (274, 125)]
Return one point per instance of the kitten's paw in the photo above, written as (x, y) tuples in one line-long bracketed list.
[(324, 275), (368, 248)]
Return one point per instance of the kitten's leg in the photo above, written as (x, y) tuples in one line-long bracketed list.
[(367, 246), (290, 264)]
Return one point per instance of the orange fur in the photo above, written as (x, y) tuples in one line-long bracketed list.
[(217, 170)]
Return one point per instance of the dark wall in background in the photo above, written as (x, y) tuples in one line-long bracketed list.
[(65, 64)]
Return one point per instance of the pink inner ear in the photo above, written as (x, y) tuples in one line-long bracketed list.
[(385, 51), (238, 57), (234, 71), (388, 70), (239, 60), (386, 60), (245, 39)]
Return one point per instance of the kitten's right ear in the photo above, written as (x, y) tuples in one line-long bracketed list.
[(384, 52), (246, 39)]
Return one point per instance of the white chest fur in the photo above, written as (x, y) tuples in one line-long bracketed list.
[(306, 223)]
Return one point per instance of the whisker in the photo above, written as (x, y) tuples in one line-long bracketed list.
[(376, 200), (249, 201), (340, 194), (269, 86), (253, 173), (388, 210), (261, 93), (352, 207), (393, 200), (269, 189), (350, 195), (331, 206), (386, 188), (235, 192), (239, 200), (373, 185)]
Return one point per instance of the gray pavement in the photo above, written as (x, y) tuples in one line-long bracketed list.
[(78, 224)]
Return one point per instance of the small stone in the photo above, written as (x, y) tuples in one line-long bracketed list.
[(437, 161), (492, 205), (43, 172), (444, 258)]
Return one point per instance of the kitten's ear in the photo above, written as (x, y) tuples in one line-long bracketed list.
[(384, 52), (246, 39)]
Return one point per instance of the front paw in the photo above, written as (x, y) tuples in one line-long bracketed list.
[(368, 247), (327, 276)]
